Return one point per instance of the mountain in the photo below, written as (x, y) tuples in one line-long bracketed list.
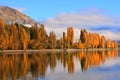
[(119, 42), (11, 15)]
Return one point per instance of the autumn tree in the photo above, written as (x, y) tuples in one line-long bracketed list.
[(108, 43), (64, 40), (39, 38), (3, 35), (52, 40), (13, 37), (23, 38), (70, 37), (34, 32), (53, 61), (93, 40), (90, 41), (96, 40), (43, 37), (83, 36), (79, 45), (115, 44), (59, 43), (102, 42)]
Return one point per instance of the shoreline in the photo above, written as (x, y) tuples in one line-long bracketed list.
[(59, 50)]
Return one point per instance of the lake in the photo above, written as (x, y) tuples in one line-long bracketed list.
[(61, 65)]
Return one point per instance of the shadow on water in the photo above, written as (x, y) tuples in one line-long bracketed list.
[(33, 66)]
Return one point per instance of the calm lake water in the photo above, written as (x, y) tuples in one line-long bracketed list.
[(78, 65)]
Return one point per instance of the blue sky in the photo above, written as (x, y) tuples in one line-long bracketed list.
[(100, 16), (42, 9)]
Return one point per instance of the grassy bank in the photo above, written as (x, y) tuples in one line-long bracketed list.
[(55, 50)]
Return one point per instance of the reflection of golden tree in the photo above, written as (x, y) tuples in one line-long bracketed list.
[(83, 60), (17, 65), (103, 56), (53, 61), (109, 54), (70, 61), (14, 63), (24, 64), (4, 67), (43, 62), (94, 58), (116, 53), (39, 64), (84, 63), (35, 65), (64, 60)]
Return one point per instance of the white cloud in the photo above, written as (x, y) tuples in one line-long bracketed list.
[(112, 62), (20, 9), (88, 19), (108, 34)]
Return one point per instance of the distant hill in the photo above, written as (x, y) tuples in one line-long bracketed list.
[(11, 15), (119, 42)]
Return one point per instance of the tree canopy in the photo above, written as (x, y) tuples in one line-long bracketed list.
[(18, 37)]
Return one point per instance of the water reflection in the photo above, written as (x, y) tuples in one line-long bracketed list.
[(17, 66)]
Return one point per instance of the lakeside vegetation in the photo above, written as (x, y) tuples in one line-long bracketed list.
[(19, 37)]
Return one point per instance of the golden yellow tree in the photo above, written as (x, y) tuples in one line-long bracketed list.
[(108, 43), (102, 42), (39, 38), (64, 40), (52, 40), (23, 38), (43, 37), (115, 44), (3, 36), (70, 37), (60, 43), (84, 38)]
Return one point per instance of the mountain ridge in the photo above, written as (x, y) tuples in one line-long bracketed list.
[(11, 15)]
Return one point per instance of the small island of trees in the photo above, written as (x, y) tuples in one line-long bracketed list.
[(19, 37)]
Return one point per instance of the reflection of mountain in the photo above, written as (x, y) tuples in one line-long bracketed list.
[(17, 66)]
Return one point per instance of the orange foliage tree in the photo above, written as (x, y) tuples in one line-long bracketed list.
[(23, 38), (70, 37), (102, 42), (115, 44), (108, 43), (64, 40), (52, 40), (3, 36)]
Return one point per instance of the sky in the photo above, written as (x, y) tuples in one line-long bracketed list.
[(101, 16)]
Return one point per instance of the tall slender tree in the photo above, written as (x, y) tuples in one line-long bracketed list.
[(52, 40), (23, 38), (70, 37), (102, 42), (3, 36)]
